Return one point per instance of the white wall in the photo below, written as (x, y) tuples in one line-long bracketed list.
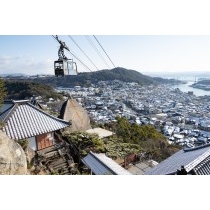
[(32, 143), (50, 136)]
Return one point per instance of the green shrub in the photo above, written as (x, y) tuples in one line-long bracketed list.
[(23, 143)]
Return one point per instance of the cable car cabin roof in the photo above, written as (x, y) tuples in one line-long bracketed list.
[(60, 61)]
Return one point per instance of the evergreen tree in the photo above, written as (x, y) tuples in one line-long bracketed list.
[(2, 91)]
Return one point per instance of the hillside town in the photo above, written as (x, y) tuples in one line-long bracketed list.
[(182, 117)]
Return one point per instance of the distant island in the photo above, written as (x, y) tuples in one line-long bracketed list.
[(203, 85)]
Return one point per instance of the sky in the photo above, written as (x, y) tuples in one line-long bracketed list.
[(145, 35), (35, 54)]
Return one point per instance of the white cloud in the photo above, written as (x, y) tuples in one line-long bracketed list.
[(24, 64)]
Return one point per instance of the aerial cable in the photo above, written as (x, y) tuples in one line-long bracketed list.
[(97, 51), (80, 61), (54, 37), (83, 51), (103, 50)]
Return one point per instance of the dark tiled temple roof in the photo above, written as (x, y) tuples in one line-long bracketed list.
[(203, 168), (194, 159), (5, 109)]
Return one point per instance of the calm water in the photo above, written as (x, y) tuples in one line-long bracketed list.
[(198, 92)]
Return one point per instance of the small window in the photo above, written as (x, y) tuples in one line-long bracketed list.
[(49, 135)]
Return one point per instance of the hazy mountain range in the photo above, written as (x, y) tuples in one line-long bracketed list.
[(13, 75)]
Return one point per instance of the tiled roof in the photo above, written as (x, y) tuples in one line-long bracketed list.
[(203, 168), (100, 164), (24, 120), (5, 109), (190, 159)]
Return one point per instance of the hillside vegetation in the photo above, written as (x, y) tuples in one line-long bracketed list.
[(146, 138), (2, 90), (128, 138), (18, 90)]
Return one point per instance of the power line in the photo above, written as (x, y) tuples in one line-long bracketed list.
[(103, 50), (80, 61), (94, 47), (83, 51)]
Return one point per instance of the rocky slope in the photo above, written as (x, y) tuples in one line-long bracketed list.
[(12, 157)]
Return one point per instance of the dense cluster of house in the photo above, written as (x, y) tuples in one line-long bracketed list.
[(182, 117)]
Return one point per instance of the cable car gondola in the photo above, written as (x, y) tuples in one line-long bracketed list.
[(64, 66)]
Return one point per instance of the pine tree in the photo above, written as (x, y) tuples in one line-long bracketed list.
[(2, 91)]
